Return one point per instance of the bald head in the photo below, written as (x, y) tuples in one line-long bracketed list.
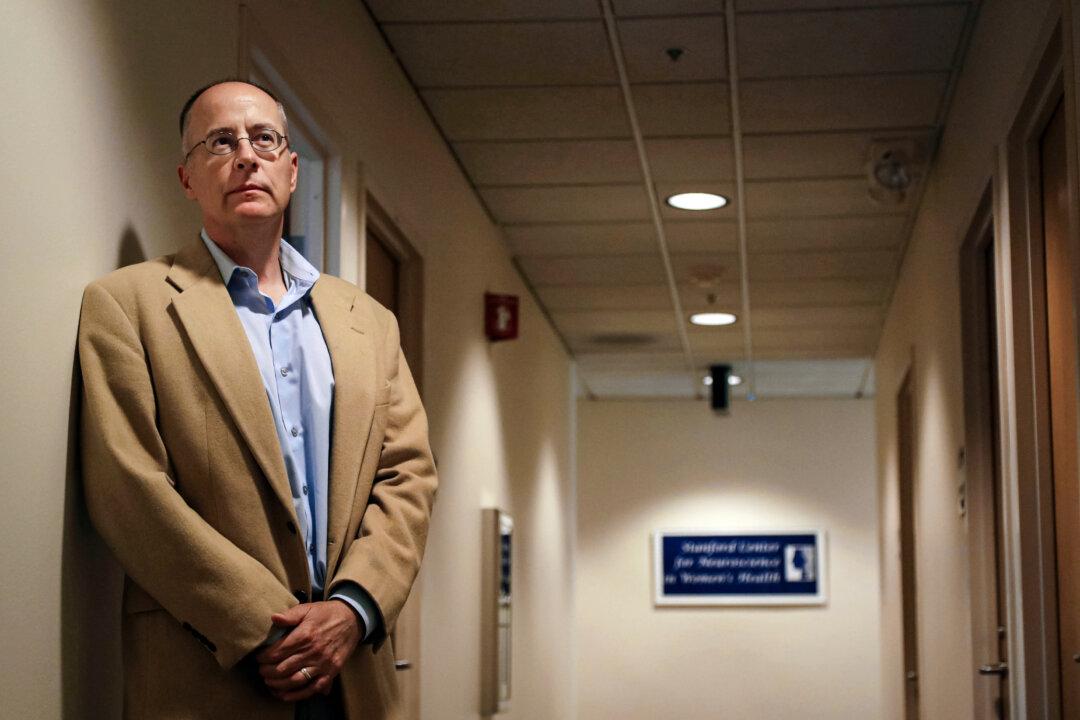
[(194, 102)]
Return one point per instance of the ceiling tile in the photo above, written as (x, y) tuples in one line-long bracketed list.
[(646, 43), (631, 8), (863, 316), (648, 270), (783, 198), (770, 295), (843, 233), (807, 198), (472, 54), (690, 159), (583, 322), (682, 109), (625, 238), (855, 42), (566, 203), (797, 293), (704, 236), (696, 236), (633, 361), (764, 295), (550, 162), (867, 102), (744, 6), (813, 154), (615, 321), (528, 113), (796, 342), (600, 343), (626, 297), (854, 264), (848, 265), (619, 270), (476, 10)]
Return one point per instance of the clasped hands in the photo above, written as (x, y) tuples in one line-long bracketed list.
[(306, 661)]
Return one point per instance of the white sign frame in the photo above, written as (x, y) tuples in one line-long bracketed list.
[(709, 600)]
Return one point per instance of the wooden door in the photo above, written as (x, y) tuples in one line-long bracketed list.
[(1061, 336), (908, 586)]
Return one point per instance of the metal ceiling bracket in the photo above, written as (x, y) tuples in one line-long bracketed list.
[(740, 198), (650, 191)]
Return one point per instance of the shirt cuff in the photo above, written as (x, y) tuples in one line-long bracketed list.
[(276, 633), (360, 601)]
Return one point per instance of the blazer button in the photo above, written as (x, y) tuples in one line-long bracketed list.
[(301, 596), (292, 527)]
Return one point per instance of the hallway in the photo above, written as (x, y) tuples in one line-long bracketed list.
[(883, 290)]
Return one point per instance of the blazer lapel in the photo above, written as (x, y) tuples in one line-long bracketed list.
[(206, 312), (354, 406)]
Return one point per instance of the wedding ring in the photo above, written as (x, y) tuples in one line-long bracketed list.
[(306, 673)]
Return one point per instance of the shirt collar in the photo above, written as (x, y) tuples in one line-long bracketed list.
[(294, 266)]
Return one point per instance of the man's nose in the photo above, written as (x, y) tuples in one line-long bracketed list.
[(245, 154)]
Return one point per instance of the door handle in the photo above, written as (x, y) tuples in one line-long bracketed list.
[(1000, 669), (911, 676), (403, 664)]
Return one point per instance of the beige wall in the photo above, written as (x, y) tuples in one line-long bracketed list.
[(922, 332), (770, 464), (91, 92)]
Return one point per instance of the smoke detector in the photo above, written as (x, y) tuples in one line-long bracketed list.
[(893, 166)]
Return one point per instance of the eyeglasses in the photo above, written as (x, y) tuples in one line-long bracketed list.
[(225, 143)]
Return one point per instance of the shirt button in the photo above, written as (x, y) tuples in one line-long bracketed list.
[(304, 489), (311, 548), (295, 432), (284, 372)]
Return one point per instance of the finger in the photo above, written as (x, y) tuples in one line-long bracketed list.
[(291, 644), (321, 684), (287, 667), (294, 681), (293, 616)]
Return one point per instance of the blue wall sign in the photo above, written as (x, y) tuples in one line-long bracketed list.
[(712, 567)]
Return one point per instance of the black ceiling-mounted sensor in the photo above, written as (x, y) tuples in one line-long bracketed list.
[(720, 396)]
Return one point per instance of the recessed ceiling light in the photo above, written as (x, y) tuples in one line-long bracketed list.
[(697, 201), (734, 380), (712, 318)]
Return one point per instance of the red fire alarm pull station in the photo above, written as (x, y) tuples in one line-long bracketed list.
[(500, 317)]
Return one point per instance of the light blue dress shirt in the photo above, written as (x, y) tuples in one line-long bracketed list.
[(297, 374)]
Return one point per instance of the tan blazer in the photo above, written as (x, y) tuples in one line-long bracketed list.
[(185, 480)]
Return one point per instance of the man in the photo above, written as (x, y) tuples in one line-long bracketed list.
[(254, 450)]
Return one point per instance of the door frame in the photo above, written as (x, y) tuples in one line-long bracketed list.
[(1033, 649), (258, 58), (908, 511), (981, 456), (377, 221)]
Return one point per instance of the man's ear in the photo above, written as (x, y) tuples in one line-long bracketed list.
[(294, 161), (185, 181)]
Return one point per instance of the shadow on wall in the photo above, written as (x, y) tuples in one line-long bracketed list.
[(90, 578)]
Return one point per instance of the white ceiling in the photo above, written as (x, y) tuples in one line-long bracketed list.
[(528, 97)]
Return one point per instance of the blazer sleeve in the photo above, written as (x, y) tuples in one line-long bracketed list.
[(221, 594), (384, 558)]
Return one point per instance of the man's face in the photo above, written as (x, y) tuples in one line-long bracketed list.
[(246, 187)]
